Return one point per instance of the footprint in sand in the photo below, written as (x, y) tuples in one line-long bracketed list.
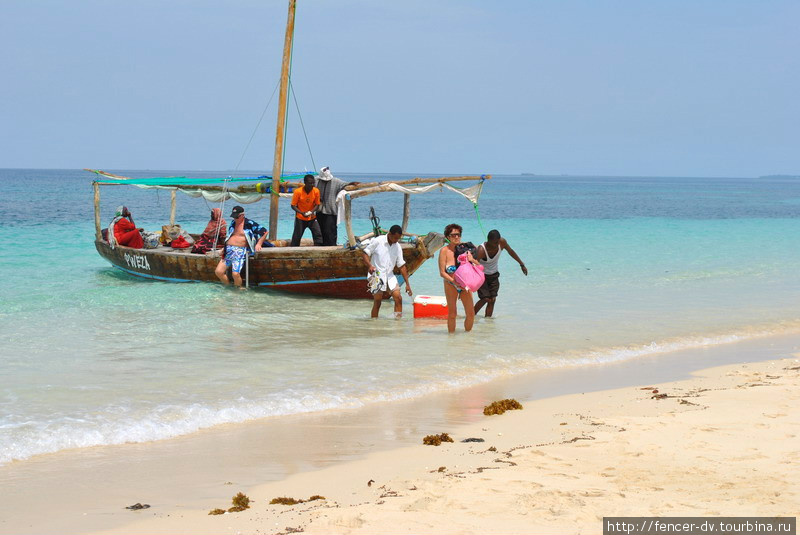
[(526, 483), (703, 457), (422, 504), (348, 521), (568, 476), (608, 471), (751, 457)]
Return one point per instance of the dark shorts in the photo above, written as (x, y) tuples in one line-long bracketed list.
[(490, 286)]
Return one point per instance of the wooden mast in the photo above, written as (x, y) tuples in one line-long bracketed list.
[(173, 204), (282, 99), (98, 233)]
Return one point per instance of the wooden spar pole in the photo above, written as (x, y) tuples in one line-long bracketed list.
[(406, 210), (282, 99), (173, 204), (252, 188), (368, 188), (98, 233), (348, 221), (365, 184)]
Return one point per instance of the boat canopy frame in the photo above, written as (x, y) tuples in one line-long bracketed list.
[(251, 193)]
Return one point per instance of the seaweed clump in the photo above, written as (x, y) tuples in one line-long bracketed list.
[(292, 501), (284, 501), (240, 503), (436, 440), (499, 407)]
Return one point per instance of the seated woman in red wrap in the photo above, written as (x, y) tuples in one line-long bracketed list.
[(215, 230), (123, 231)]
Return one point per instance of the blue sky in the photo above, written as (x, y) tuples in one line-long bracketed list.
[(656, 87)]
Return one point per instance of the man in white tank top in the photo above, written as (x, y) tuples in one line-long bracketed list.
[(489, 257)]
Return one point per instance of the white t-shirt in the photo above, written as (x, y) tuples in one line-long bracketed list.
[(385, 257)]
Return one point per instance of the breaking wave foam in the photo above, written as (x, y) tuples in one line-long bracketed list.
[(24, 439)]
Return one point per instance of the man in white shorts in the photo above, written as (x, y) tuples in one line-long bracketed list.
[(381, 256)]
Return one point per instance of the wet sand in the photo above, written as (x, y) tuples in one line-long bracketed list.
[(727, 438)]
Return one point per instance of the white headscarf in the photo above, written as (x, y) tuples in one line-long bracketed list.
[(325, 174)]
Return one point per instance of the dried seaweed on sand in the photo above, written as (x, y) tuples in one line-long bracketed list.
[(436, 440), (499, 407), (284, 500), (240, 503)]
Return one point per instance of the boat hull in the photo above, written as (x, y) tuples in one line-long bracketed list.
[(321, 271)]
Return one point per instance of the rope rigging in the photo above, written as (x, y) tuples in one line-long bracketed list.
[(258, 124), (475, 205), (294, 97)]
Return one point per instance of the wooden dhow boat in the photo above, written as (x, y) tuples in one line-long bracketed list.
[(334, 271)]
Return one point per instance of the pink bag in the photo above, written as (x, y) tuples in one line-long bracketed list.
[(468, 275)]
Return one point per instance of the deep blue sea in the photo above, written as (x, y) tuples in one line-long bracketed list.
[(619, 268)]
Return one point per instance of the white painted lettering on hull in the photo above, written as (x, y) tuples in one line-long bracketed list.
[(137, 261)]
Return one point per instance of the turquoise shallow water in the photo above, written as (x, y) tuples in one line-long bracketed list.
[(619, 267)]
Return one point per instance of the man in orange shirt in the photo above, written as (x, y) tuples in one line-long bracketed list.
[(305, 202)]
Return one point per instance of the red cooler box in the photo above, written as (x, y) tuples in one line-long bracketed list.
[(430, 306)]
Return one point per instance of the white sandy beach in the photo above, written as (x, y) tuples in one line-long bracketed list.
[(724, 442)]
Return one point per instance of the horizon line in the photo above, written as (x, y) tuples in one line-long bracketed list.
[(518, 174)]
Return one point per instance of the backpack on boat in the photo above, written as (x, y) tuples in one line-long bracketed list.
[(169, 233), (151, 239), (463, 248), (172, 232)]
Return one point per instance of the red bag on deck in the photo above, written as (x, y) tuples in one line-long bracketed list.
[(180, 243)]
